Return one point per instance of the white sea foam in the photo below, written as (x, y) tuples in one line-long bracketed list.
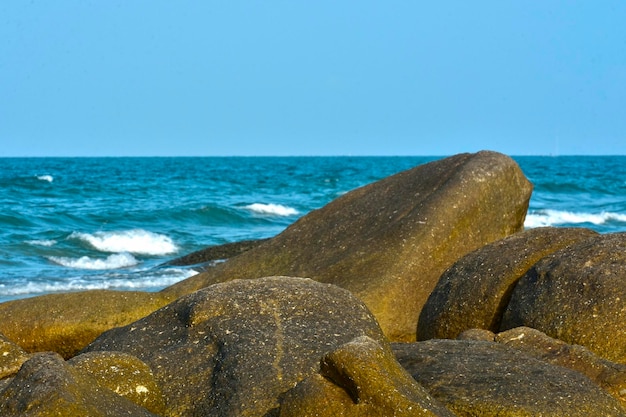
[(116, 261), (137, 241), (149, 281), (272, 209), (541, 218), (48, 178), (46, 242)]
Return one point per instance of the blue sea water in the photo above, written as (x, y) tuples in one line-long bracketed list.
[(86, 223)]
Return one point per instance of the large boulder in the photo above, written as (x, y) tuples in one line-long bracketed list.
[(46, 386), (488, 379), (475, 291), (360, 378), (11, 357), (578, 295), (389, 242), (235, 347), (66, 323), (123, 374), (609, 375)]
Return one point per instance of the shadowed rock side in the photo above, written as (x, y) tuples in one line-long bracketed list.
[(578, 295), (475, 291), (608, 375), (46, 386), (234, 348), (66, 323), (207, 257), (11, 357), (488, 379), (390, 241), (360, 378)]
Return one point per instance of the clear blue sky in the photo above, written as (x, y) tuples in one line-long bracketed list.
[(154, 77)]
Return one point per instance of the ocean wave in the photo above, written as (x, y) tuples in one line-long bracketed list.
[(42, 242), (272, 209), (137, 241), (542, 218), (116, 261), (148, 281), (47, 178)]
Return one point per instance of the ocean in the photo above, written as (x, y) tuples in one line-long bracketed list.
[(70, 224)]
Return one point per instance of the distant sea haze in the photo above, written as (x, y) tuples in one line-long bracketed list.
[(87, 223)]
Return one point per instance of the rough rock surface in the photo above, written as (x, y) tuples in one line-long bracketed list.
[(390, 241), (11, 357), (123, 374), (66, 323), (475, 291), (578, 295), (479, 378), (609, 375), (234, 348), (360, 378), (46, 386)]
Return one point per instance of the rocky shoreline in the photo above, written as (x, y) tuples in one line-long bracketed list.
[(417, 295)]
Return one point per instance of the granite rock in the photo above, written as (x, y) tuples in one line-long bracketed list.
[(489, 379), (123, 374), (360, 378), (233, 348), (475, 291), (66, 323), (577, 295), (46, 386), (389, 242)]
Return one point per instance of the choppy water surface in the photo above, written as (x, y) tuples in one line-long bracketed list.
[(86, 223)]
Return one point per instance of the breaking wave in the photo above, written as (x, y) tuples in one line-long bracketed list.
[(542, 218), (116, 261), (272, 209), (137, 241)]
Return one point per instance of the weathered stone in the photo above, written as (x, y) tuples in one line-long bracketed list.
[(123, 374), (360, 378), (212, 254), (390, 241), (46, 386), (578, 295), (11, 357), (475, 291), (609, 375), (234, 348), (66, 323), (488, 379), (477, 334)]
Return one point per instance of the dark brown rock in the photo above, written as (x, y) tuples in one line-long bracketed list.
[(578, 295), (390, 241), (477, 334), (11, 357), (66, 323), (123, 374), (360, 378), (475, 291), (234, 348), (488, 379), (609, 375), (216, 253), (46, 386)]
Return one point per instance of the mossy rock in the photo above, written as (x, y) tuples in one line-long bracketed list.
[(475, 291), (389, 242), (578, 295), (66, 323)]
